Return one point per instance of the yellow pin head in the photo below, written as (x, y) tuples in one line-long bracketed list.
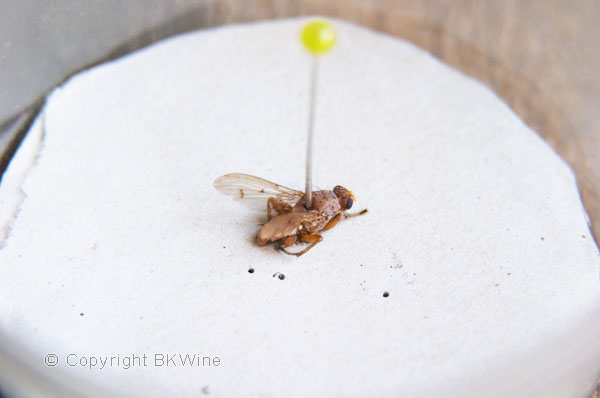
[(318, 37)]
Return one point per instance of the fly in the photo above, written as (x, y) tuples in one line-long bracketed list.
[(288, 219)]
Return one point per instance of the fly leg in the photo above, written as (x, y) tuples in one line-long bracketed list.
[(337, 218), (277, 205), (332, 222), (360, 213), (313, 239), (287, 242)]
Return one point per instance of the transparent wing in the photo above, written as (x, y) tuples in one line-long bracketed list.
[(253, 192)]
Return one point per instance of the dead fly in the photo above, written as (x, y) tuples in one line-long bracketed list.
[(293, 221)]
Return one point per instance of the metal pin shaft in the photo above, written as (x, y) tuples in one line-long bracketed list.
[(311, 122)]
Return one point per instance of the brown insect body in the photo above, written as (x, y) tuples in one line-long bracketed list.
[(288, 224), (299, 220), (293, 221)]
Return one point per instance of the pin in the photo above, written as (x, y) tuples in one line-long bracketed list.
[(318, 38), (288, 221)]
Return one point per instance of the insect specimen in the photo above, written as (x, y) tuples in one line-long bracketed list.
[(293, 221)]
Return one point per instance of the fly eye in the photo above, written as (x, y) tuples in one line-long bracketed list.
[(349, 203)]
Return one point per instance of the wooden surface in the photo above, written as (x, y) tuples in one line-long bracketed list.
[(539, 56)]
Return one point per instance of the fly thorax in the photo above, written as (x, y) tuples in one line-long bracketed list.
[(326, 203)]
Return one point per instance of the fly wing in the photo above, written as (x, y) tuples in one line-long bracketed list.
[(253, 192)]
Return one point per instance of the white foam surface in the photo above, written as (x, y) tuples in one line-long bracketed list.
[(475, 226)]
